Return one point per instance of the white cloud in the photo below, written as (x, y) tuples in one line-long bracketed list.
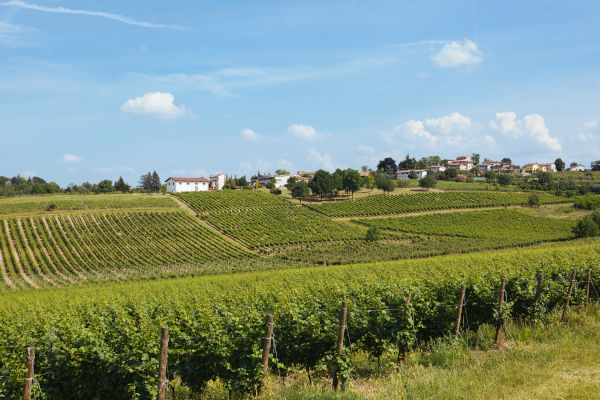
[(115, 170), (585, 138), (532, 126), (449, 123), (69, 159), (101, 14), (507, 123), (10, 34), (416, 128), (249, 134), (159, 104), (305, 132), (322, 160), (456, 54), (590, 124), (535, 125)]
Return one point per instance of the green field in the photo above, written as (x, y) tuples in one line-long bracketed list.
[(112, 330), (398, 204), (70, 249), (46, 203)]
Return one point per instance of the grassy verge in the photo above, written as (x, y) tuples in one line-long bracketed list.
[(545, 360)]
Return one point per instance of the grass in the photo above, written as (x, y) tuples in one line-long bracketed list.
[(544, 360)]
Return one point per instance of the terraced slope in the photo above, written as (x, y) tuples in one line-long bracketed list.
[(404, 203), (62, 249)]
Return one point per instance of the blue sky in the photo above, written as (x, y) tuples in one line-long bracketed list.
[(94, 90)]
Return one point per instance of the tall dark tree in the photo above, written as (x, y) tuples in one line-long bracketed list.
[(387, 165), (322, 183), (428, 181), (506, 160), (105, 186), (146, 182), (121, 186), (155, 182), (559, 164), (476, 157), (595, 165), (338, 179), (300, 190)]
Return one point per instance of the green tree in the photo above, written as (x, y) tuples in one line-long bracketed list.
[(372, 234), (322, 184), (506, 179), (408, 163), (146, 182), (370, 182), (387, 165), (351, 180), (291, 182), (428, 181), (300, 191), (476, 157), (506, 160), (586, 227), (534, 200), (338, 179), (156, 184), (559, 164), (105, 186), (385, 183), (121, 186), (595, 165), (282, 172)]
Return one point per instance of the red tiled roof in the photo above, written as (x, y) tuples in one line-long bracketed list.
[(188, 179)]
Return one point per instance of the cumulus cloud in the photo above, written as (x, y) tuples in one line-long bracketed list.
[(305, 132), (249, 134), (416, 128), (158, 104), (322, 160), (69, 159), (532, 126), (449, 123), (457, 54), (535, 125), (101, 14), (590, 124)]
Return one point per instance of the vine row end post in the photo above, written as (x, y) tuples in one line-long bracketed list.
[(340, 342), (29, 364), (459, 308), (266, 349), (566, 306), (162, 363), (500, 323)]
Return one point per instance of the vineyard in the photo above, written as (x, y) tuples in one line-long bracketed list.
[(507, 226), (230, 200), (37, 204), (58, 250), (102, 341), (398, 204)]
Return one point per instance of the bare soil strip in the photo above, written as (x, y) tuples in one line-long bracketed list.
[(59, 250), (32, 257), (45, 251), (5, 276)]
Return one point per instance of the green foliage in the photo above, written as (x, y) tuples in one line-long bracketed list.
[(586, 227), (102, 341), (322, 184), (534, 200), (381, 205), (300, 190), (351, 181), (372, 234), (506, 179), (428, 181), (511, 227), (385, 182), (588, 202)]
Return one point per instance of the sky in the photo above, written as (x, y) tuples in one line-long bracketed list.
[(93, 90)]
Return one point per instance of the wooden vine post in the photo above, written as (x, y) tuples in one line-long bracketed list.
[(587, 288), (500, 324), (538, 290), (461, 300), (162, 363), (340, 342), (29, 363), (566, 306), (266, 349)]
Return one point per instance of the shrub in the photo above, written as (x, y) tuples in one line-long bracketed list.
[(586, 227), (588, 202), (372, 234), (275, 191), (534, 200), (51, 207)]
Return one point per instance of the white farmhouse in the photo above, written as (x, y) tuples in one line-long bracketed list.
[(217, 181), (178, 185), (281, 181), (576, 168), (405, 173)]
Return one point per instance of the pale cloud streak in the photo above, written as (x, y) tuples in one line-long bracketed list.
[(69, 159), (249, 134), (305, 132), (101, 14)]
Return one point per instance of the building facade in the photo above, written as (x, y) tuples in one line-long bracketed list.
[(179, 185)]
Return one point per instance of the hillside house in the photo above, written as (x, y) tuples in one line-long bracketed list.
[(531, 168), (506, 168), (306, 174), (436, 168), (462, 163), (217, 182), (548, 167), (487, 165), (264, 179), (281, 181), (178, 185), (576, 168), (405, 173)]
